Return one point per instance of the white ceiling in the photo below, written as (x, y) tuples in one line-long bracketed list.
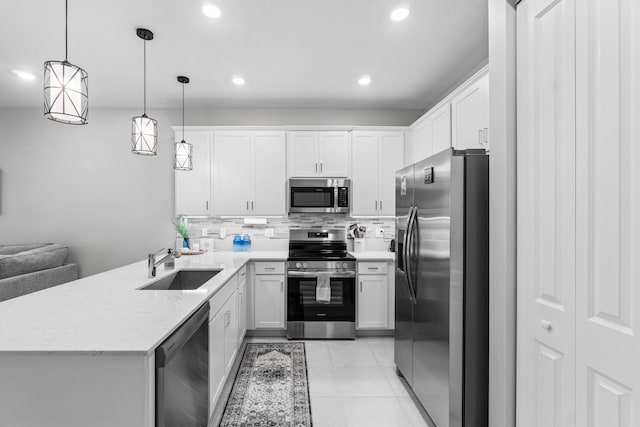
[(292, 53)]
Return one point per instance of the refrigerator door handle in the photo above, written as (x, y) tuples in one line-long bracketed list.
[(404, 253), (410, 283)]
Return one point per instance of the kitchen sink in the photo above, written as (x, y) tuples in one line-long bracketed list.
[(182, 280)]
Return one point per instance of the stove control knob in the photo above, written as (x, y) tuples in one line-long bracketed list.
[(305, 265), (344, 265), (298, 265)]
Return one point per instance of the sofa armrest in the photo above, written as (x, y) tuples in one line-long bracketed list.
[(23, 284)]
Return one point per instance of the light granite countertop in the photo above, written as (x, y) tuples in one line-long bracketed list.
[(106, 313)]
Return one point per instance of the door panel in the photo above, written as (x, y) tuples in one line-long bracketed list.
[(233, 174), (608, 214), (441, 128), (193, 188), (270, 180), (546, 214), (372, 301), (391, 159), (269, 301), (365, 173), (334, 155), (303, 153)]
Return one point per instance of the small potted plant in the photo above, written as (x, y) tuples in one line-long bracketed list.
[(183, 230)]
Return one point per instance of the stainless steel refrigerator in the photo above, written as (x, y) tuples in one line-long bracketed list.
[(442, 285)]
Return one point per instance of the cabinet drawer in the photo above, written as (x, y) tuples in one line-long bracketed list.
[(242, 273), (269, 268), (379, 267)]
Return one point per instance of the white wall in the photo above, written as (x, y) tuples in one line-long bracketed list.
[(81, 186), (502, 213)]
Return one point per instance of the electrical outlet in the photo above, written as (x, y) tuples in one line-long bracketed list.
[(205, 232), (379, 233), (222, 233), (269, 232)]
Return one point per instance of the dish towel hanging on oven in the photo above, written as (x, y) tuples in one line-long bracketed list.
[(323, 287)]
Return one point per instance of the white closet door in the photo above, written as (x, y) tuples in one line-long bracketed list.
[(546, 214), (608, 213)]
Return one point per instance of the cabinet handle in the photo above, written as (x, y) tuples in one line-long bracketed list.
[(247, 205), (372, 268), (480, 137), (360, 285), (281, 286), (269, 268), (380, 204), (320, 167), (376, 205), (207, 203), (252, 205), (486, 135), (545, 324), (240, 299), (316, 168)]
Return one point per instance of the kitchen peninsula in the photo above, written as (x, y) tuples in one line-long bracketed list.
[(85, 350)]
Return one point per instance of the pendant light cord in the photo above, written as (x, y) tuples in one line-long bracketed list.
[(145, 77), (182, 112), (66, 30)]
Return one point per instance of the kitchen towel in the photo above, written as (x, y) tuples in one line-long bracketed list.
[(323, 287)]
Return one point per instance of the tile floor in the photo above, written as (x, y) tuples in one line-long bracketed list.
[(354, 384)]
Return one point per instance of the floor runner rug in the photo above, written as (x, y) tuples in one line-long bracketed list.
[(271, 388)]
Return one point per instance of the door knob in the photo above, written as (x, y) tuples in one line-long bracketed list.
[(545, 324)]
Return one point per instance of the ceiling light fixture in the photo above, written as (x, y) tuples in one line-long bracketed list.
[(364, 80), (399, 14), (184, 150), (211, 11), (24, 75), (66, 91), (238, 81), (144, 129)]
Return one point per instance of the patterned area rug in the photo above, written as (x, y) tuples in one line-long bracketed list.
[(271, 388)]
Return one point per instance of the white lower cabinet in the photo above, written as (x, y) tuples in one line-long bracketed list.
[(375, 299), (223, 337), (242, 304), (269, 295)]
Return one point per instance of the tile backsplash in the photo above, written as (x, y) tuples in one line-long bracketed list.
[(279, 229)]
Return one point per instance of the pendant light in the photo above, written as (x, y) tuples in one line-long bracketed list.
[(66, 91), (183, 161), (144, 129)]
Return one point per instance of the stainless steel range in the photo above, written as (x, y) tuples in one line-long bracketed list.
[(321, 284)]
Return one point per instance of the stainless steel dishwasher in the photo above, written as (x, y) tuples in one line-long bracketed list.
[(182, 374)]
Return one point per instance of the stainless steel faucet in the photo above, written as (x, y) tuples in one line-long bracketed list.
[(152, 262)]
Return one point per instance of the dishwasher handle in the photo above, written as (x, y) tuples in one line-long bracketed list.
[(173, 344)]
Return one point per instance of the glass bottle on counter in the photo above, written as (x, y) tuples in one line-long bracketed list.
[(246, 243), (237, 243)]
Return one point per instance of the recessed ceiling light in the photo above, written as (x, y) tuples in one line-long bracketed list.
[(364, 80), (399, 14), (238, 81), (211, 11), (25, 75)]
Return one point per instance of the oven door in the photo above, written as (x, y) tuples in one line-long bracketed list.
[(302, 305)]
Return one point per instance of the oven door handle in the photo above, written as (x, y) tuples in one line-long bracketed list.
[(341, 275)]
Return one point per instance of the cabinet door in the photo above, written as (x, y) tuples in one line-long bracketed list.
[(303, 153), (333, 154), (242, 309), (470, 115), (546, 264), (365, 173), (269, 301), (422, 141), (390, 160), (372, 302), (269, 159), (231, 330), (217, 365), (233, 173), (193, 188), (441, 128)]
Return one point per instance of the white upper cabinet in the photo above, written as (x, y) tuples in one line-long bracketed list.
[(470, 116), (319, 153), (377, 155), (421, 142), (193, 188), (249, 172), (441, 128)]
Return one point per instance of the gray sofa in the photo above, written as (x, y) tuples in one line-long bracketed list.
[(29, 268)]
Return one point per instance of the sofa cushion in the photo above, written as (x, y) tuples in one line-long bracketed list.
[(31, 258), (16, 249)]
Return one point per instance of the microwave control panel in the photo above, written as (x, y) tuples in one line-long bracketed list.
[(343, 197)]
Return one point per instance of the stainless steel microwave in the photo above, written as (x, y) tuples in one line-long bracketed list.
[(319, 195)]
